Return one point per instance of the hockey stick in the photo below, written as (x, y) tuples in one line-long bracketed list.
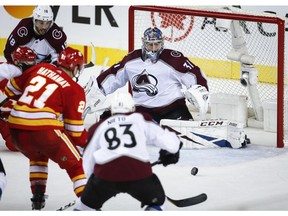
[(89, 85), (187, 201), (104, 65), (62, 208), (4, 101), (93, 58), (179, 203), (1, 104)]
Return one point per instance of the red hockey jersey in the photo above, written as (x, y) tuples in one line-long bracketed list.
[(48, 99)]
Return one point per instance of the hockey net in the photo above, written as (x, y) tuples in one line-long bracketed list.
[(194, 31)]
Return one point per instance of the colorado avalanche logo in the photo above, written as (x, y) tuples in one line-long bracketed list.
[(22, 31), (56, 34), (145, 82)]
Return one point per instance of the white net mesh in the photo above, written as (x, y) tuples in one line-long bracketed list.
[(198, 38)]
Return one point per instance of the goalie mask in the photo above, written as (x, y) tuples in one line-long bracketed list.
[(42, 19), (71, 58), (24, 57), (122, 103), (152, 44)]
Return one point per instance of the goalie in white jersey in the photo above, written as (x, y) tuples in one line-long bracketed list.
[(160, 80), (117, 159), (156, 77)]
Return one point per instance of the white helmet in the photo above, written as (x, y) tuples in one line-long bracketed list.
[(122, 103), (43, 13)]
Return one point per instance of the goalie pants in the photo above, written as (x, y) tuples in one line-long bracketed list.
[(148, 191), (40, 146), (177, 110)]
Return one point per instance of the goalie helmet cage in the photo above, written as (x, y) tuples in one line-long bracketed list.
[(193, 31)]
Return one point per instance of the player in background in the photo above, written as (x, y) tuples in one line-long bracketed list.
[(46, 122), (40, 33), (23, 58), (116, 158), (3, 180), (156, 76)]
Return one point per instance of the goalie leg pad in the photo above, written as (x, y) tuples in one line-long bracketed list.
[(208, 133)]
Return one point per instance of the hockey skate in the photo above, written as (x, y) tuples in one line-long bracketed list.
[(38, 199), (153, 208)]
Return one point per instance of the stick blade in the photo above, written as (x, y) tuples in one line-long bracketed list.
[(90, 64), (189, 201)]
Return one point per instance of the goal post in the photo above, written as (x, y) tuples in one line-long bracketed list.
[(194, 31)]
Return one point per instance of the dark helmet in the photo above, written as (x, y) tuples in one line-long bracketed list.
[(154, 38)]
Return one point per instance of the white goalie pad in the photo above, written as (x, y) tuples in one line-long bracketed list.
[(208, 133), (198, 96), (95, 99)]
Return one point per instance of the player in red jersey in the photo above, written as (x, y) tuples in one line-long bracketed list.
[(39, 33), (46, 121)]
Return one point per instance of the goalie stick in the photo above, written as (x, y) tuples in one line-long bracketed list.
[(93, 58), (89, 85)]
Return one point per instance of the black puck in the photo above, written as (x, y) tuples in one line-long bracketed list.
[(194, 171)]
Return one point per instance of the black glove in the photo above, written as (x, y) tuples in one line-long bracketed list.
[(167, 158)]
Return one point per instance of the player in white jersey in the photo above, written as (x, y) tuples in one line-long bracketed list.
[(117, 159), (40, 33), (156, 78), (23, 58)]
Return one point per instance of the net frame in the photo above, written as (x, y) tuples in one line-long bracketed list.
[(201, 12)]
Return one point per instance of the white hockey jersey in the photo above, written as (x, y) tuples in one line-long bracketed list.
[(7, 71), (153, 85), (125, 136)]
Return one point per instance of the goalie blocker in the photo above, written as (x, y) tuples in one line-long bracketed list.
[(208, 133)]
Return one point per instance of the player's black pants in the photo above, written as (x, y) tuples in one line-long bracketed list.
[(177, 110), (148, 191)]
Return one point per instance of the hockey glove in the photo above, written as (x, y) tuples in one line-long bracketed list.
[(198, 96), (94, 97), (167, 158)]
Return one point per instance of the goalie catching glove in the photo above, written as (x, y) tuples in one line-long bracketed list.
[(167, 158), (199, 97), (94, 97)]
